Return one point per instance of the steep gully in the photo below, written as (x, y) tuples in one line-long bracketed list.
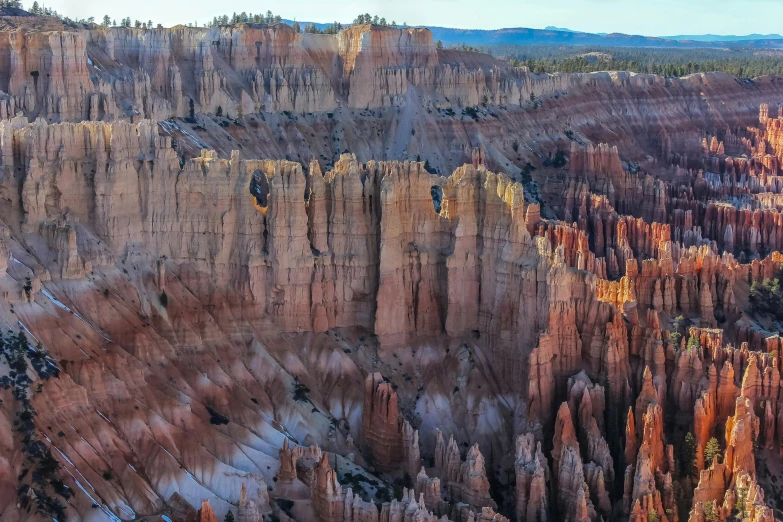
[(246, 334)]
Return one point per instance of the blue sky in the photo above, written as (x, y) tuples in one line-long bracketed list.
[(648, 17)]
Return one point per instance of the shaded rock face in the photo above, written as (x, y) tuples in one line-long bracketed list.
[(313, 257), (158, 73), (368, 341), (278, 93)]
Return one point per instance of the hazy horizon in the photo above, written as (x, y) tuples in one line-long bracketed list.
[(652, 18)]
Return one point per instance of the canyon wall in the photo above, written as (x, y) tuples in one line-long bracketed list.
[(303, 337)]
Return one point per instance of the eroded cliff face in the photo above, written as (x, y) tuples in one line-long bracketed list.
[(240, 243), (381, 93), (245, 286), (211, 331)]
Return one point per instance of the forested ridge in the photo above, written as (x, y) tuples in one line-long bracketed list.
[(743, 63)]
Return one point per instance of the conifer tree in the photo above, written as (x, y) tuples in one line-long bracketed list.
[(712, 449)]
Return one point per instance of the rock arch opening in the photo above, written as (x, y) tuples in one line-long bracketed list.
[(436, 191), (259, 188)]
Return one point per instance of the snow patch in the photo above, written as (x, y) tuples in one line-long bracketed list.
[(53, 299), (112, 516), (59, 304)]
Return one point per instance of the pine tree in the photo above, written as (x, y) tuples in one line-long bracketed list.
[(229, 517), (106, 21), (710, 514), (711, 450), (296, 27), (688, 455), (35, 9)]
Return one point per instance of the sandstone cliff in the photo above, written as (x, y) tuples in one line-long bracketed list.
[(216, 319)]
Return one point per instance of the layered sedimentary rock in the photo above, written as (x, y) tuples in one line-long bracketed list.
[(532, 476), (465, 481), (741, 430), (217, 319), (314, 265), (572, 494), (392, 440)]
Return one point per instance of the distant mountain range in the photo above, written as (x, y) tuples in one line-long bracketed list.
[(552, 35), (565, 29), (724, 37), (559, 36), (693, 37)]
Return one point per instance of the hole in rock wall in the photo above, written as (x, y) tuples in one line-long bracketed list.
[(437, 197), (259, 188)]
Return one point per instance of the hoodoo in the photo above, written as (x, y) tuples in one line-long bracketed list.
[(358, 277)]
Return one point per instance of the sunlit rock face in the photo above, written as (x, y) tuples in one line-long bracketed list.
[(389, 288)]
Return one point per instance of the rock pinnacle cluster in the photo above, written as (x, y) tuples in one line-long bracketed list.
[(360, 278)]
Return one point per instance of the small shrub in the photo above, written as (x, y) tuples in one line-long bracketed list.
[(285, 505), (526, 171), (710, 513), (216, 418), (472, 112), (301, 392), (560, 159), (767, 298)]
